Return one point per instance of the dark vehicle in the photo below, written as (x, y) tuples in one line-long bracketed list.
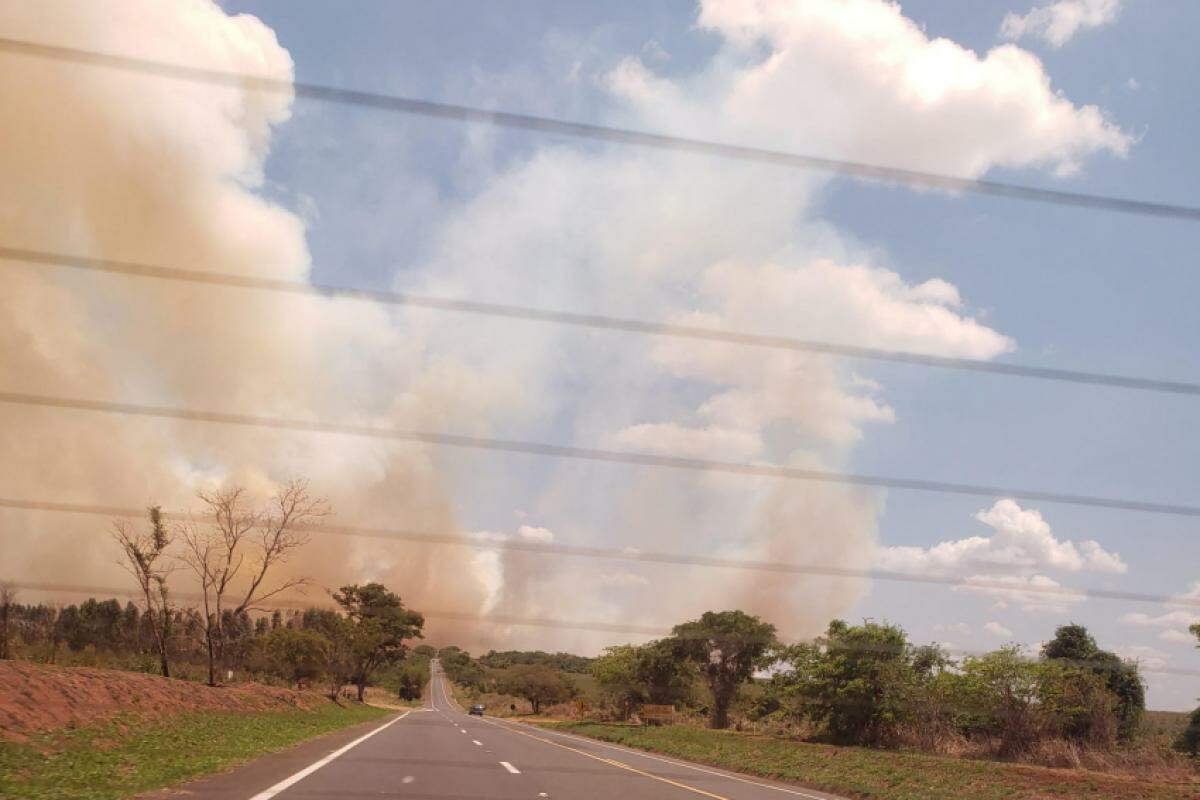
[(477, 709)]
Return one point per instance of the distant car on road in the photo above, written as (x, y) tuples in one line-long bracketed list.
[(477, 710)]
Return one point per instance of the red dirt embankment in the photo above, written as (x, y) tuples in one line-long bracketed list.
[(36, 698)]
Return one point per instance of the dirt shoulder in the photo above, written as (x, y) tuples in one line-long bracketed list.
[(95, 734), (37, 699)]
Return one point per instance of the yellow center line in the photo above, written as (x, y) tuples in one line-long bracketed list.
[(608, 761)]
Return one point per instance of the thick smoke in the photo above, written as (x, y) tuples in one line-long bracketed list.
[(136, 168)]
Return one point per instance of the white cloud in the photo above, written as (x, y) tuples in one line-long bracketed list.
[(616, 230), (1032, 593), (737, 246), (1174, 624), (535, 534), (1148, 657), (1021, 549), (1058, 22), (961, 628), (1021, 543), (997, 630), (873, 86), (1172, 619)]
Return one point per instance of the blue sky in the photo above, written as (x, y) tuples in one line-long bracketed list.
[(1072, 288)]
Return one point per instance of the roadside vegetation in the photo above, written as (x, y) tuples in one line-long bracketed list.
[(126, 755), (879, 773), (866, 691), (105, 698)]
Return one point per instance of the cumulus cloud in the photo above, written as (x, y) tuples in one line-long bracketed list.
[(1177, 622), (175, 178), (1177, 637), (1057, 23), (997, 630), (873, 86), (1021, 543), (1031, 593), (1173, 625), (1020, 549), (1148, 657), (736, 246)]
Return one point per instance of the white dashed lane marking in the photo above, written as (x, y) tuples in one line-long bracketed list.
[(476, 741), (510, 768)]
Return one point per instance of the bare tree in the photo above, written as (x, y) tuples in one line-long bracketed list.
[(145, 558), (8, 598), (237, 537)]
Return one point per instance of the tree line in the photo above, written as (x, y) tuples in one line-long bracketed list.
[(867, 684), (235, 552)]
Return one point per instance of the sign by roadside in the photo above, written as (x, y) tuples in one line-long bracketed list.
[(657, 715)]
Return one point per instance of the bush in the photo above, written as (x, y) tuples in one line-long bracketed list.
[(1189, 740), (857, 685), (411, 677)]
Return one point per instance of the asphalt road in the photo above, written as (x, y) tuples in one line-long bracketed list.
[(440, 753)]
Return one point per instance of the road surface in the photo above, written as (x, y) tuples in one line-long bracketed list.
[(440, 753)]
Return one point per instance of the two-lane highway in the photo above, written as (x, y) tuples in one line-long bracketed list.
[(439, 752)]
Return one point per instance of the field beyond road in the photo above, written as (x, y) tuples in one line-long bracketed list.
[(104, 735), (882, 774)]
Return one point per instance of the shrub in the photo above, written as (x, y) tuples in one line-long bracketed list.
[(1189, 740)]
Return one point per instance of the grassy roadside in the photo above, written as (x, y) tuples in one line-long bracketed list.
[(124, 757), (882, 774)]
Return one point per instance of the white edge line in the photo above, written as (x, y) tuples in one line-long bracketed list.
[(266, 794), (671, 761), (510, 768)]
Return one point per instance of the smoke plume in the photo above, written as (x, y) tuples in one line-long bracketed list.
[(130, 167)]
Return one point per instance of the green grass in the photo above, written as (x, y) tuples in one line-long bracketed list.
[(883, 774), (126, 757)]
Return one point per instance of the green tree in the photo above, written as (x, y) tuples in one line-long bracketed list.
[(999, 693), (461, 668), (536, 683), (411, 677), (297, 654), (1189, 739), (857, 681), (339, 654), (616, 673), (379, 625), (1073, 645), (727, 647), (668, 679), (630, 675)]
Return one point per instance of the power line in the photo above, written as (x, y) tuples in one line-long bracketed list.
[(638, 556), (632, 458), (534, 622), (592, 132), (134, 269)]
